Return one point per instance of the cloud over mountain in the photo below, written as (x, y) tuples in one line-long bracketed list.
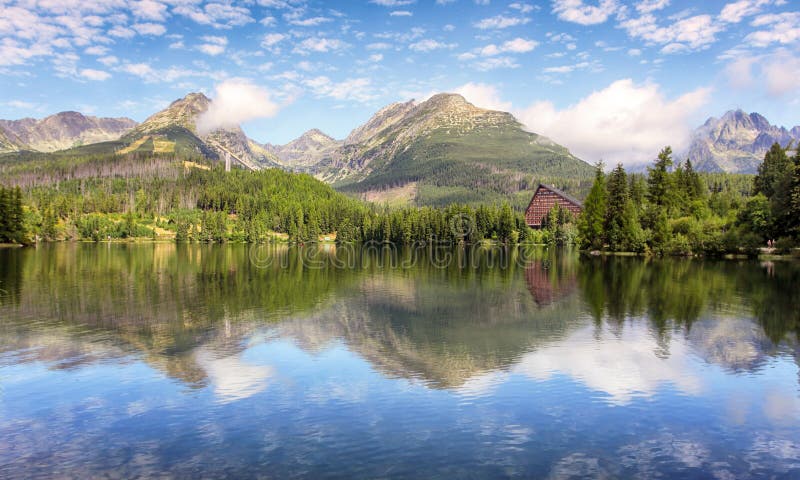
[(236, 101), (623, 122)]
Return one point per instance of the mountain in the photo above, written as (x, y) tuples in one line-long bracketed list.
[(304, 152), (737, 142), (435, 152), (60, 131), (440, 151), (8, 145), (174, 129)]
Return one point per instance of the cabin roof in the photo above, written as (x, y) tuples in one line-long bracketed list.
[(558, 192)]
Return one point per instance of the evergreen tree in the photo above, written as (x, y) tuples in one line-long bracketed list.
[(694, 185), (506, 223), (659, 181), (5, 215), (618, 199), (775, 167), (592, 219)]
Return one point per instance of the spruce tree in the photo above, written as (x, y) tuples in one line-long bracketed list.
[(775, 167), (659, 181), (592, 219), (4, 216), (618, 198)]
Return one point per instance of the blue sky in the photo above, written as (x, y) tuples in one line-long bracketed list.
[(610, 79)]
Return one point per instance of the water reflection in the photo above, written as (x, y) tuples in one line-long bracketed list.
[(618, 366)]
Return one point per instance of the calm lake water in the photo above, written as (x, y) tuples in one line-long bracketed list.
[(231, 361)]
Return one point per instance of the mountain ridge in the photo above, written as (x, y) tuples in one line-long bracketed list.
[(736, 142), (60, 131)]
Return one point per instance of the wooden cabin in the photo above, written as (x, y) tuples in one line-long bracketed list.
[(544, 199)]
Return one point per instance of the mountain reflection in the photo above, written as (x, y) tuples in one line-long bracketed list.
[(622, 326)]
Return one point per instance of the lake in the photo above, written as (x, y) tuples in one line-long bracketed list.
[(190, 361)]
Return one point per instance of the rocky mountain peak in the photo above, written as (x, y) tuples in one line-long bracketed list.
[(63, 130), (736, 142)]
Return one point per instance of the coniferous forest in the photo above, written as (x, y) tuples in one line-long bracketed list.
[(674, 210), (670, 210)]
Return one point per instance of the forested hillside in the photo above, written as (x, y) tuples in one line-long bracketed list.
[(167, 197)]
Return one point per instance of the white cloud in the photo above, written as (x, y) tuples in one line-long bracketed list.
[(782, 28), (149, 10), (690, 33), (121, 32), (736, 11), (517, 45), (272, 39), (523, 7), (319, 45), (401, 13), (428, 45), (214, 45), (647, 6), (150, 28), (211, 49), (216, 14), (501, 21), (96, 50), (483, 95), (97, 75), (108, 60), (294, 18), (577, 12), (776, 73), (624, 122), (236, 101)]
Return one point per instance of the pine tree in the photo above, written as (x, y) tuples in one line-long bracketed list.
[(592, 219)]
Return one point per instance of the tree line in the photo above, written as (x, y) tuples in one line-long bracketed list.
[(675, 210), (211, 205), (12, 224)]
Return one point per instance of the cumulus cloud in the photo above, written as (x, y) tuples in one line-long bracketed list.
[(692, 33), (213, 45), (96, 75), (624, 122), (483, 95), (577, 12), (782, 28), (236, 101)]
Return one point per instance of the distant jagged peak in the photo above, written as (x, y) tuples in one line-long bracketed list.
[(316, 135), (737, 141)]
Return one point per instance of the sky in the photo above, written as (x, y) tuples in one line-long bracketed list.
[(610, 79)]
